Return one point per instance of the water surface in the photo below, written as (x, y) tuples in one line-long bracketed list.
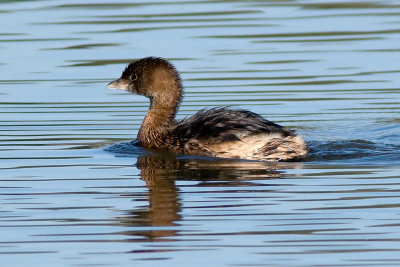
[(75, 192)]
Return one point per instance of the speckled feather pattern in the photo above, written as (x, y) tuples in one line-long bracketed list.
[(223, 124), (234, 133)]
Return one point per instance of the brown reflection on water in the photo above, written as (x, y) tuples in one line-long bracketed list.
[(164, 206), (161, 173)]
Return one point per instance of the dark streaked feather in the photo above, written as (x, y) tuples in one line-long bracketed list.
[(223, 124)]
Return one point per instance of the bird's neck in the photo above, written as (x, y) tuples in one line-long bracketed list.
[(158, 122)]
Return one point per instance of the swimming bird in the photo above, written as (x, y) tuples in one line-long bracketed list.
[(216, 132)]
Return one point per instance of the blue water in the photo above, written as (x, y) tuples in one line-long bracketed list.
[(74, 190)]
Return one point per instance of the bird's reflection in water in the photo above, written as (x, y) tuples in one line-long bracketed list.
[(161, 172)]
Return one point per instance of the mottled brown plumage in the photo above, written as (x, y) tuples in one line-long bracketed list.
[(218, 132)]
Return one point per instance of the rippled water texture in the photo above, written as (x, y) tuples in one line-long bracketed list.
[(75, 192)]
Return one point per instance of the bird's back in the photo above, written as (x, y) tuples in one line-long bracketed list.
[(234, 133)]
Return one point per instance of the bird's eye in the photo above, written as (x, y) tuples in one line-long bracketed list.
[(133, 77)]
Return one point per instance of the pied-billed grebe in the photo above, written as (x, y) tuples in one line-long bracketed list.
[(218, 132)]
